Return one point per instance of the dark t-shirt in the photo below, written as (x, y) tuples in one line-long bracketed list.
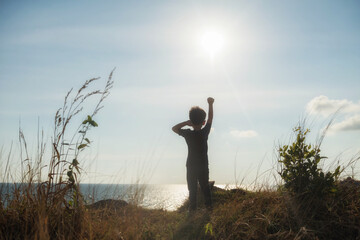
[(196, 141)]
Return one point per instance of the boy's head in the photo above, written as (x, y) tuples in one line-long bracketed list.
[(197, 115)]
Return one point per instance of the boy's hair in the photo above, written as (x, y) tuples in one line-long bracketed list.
[(197, 115)]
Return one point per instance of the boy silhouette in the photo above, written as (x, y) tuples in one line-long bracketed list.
[(197, 164)]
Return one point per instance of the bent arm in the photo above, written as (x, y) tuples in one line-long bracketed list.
[(178, 126)]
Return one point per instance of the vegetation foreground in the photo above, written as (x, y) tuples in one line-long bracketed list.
[(237, 214), (309, 204)]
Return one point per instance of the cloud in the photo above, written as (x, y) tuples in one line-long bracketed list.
[(244, 134), (349, 124), (324, 106)]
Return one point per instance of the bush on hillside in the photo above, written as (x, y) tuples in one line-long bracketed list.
[(300, 167)]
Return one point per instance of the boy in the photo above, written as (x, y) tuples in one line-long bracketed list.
[(197, 165)]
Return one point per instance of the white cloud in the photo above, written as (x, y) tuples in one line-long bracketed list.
[(349, 111), (324, 106), (349, 124), (244, 134)]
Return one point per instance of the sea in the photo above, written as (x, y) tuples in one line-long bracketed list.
[(153, 196)]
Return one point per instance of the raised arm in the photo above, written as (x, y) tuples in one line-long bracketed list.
[(210, 100), (178, 126)]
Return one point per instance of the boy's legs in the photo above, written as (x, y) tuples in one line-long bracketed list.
[(191, 177), (204, 185)]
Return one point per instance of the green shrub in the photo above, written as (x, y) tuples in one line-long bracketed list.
[(299, 167)]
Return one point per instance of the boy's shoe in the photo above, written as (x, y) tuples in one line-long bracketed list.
[(192, 210), (209, 208), (190, 213)]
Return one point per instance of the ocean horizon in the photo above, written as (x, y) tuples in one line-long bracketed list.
[(152, 196)]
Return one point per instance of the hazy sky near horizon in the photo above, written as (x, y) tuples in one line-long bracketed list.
[(279, 61)]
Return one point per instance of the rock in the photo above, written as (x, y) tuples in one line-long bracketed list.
[(211, 184), (350, 185), (238, 191), (350, 182)]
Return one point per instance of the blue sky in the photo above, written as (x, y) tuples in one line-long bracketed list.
[(280, 61)]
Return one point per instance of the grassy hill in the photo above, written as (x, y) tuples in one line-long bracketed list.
[(311, 204), (237, 214)]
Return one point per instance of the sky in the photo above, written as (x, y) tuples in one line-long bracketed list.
[(268, 64)]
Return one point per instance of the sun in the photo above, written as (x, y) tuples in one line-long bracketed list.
[(212, 42)]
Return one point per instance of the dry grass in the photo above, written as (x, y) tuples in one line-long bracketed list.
[(133, 222), (236, 215), (54, 208), (277, 215), (49, 205)]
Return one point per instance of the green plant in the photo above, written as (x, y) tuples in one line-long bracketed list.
[(208, 229), (49, 205), (300, 167)]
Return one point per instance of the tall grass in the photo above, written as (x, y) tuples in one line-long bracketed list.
[(45, 202), (42, 200)]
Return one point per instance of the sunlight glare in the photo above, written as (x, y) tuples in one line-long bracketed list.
[(212, 42)]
